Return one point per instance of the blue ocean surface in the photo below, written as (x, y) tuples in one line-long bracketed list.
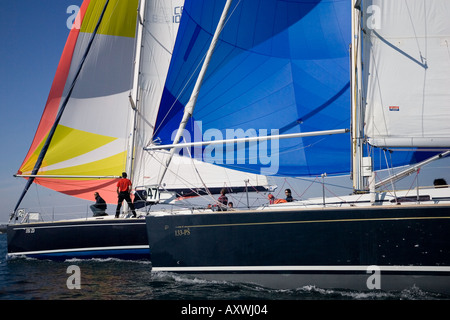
[(112, 279)]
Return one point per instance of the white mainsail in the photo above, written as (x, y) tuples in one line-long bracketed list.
[(406, 66)]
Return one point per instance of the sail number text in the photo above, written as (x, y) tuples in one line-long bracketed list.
[(183, 232)]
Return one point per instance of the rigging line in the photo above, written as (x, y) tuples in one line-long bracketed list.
[(422, 63), (258, 195), (135, 93), (193, 73), (237, 202), (61, 111), (186, 182), (159, 76), (375, 129), (236, 199), (391, 171), (157, 41), (178, 196), (413, 182), (340, 196), (422, 58), (178, 97), (320, 182), (196, 170), (310, 185), (145, 121), (38, 197), (281, 188), (186, 83), (292, 188), (190, 106)]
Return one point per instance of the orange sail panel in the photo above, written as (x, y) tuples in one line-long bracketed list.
[(83, 189)]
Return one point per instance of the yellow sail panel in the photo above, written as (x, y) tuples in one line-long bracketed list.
[(67, 143), (119, 20), (111, 166)]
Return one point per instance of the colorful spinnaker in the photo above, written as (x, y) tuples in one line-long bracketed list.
[(91, 138)]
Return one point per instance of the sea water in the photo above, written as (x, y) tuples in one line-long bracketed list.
[(112, 279)]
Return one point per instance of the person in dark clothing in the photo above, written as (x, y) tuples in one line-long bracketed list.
[(99, 207), (123, 193), (223, 200), (288, 195), (440, 183)]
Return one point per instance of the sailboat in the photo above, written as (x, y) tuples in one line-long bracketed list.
[(100, 114), (81, 144), (321, 88)]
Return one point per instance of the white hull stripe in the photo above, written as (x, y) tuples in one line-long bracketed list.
[(77, 225), (79, 250), (303, 268)]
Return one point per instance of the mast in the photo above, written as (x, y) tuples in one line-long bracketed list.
[(357, 125), (134, 95), (189, 109)]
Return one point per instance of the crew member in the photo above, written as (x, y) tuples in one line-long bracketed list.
[(123, 193)]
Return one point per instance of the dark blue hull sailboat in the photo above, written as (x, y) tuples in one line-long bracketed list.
[(285, 66), (324, 247)]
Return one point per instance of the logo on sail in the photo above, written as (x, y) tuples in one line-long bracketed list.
[(394, 108), (251, 147), (177, 12)]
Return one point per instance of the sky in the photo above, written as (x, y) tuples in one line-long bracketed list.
[(33, 34)]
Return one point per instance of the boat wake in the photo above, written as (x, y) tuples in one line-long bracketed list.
[(248, 291), (107, 260), (113, 278)]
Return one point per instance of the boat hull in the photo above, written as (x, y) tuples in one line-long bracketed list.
[(389, 248), (87, 239)]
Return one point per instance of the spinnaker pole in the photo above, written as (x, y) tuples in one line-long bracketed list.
[(189, 109)]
